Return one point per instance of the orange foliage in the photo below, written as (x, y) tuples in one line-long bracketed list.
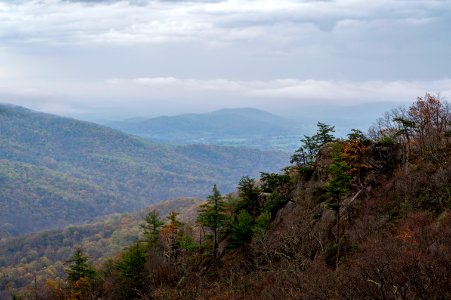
[(405, 235), (354, 153), (80, 288)]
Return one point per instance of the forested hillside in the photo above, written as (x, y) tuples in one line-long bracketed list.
[(239, 126), (56, 171), (366, 217), (44, 254)]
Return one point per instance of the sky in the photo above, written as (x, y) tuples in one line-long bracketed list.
[(119, 59)]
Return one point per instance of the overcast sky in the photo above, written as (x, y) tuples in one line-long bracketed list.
[(146, 58)]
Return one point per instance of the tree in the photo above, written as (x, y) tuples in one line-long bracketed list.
[(306, 154), (357, 135), (249, 194), (432, 120), (272, 182), (355, 153), (79, 273), (240, 230), (151, 228), (323, 134), (405, 129), (170, 232), (132, 272), (211, 215), (337, 188), (277, 189)]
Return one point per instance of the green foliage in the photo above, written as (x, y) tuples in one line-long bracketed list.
[(278, 189), (324, 134), (357, 135), (387, 141), (173, 219), (211, 215), (151, 227), (57, 171), (306, 154), (262, 223), (240, 230), (271, 182), (249, 196), (405, 125), (79, 267), (340, 179), (45, 253), (187, 242), (132, 272)]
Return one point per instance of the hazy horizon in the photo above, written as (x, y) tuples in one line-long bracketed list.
[(109, 60)]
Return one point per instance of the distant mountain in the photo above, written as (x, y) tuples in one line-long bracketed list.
[(239, 126), (56, 171)]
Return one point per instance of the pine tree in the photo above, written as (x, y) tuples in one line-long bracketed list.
[(337, 188), (305, 155), (323, 134), (132, 271), (211, 215), (151, 228), (249, 194), (79, 273), (240, 230)]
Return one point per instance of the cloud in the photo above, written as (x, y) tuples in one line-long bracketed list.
[(208, 22), (169, 95), (324, 91), (169, 56)]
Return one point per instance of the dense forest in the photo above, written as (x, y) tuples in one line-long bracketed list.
[(57, 171), (43, 254), (365, 217)]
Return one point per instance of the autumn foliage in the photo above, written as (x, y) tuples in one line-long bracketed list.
[(356, 218)]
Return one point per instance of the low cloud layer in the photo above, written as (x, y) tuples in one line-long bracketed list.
[(146, 96)]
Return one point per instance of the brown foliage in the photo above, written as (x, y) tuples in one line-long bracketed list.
[(412, 263)]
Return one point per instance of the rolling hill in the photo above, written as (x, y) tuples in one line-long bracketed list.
[(57, 171), (239, 126), (45, 253)]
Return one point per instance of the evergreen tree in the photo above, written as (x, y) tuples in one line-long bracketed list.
[(337, 188), (79, 273), (151, 228), (323, 134), (357, 135), (405, 128), (240, 230), (132, 271), (249, 194), (277, 188), (211, 215), (305, 155)]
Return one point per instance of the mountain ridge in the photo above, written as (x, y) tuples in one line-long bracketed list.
[(86, 170), (230, 126)]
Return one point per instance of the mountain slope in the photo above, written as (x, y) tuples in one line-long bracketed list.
[(45, 253), (56, 171), (225, 127)]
